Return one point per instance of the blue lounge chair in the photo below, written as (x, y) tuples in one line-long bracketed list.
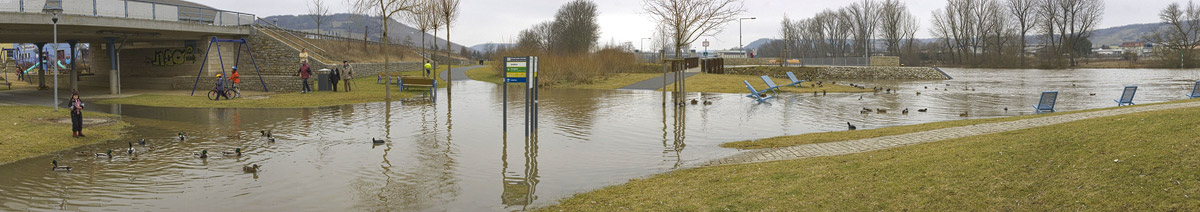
[(770, 83), (1046, 103), (795, 82), (1195, 90), (756, 94), (1127, 96)]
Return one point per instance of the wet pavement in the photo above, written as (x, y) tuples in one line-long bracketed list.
[(453, 154)]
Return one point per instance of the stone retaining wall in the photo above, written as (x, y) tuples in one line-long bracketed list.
[(844, 72)]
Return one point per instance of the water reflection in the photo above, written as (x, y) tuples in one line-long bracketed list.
[(441, 156)]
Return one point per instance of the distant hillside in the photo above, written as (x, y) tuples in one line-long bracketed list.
[(350, 24), (758, 43), (1121, 34), (490, 46)]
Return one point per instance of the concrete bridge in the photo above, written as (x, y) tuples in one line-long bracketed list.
[(152, 38)]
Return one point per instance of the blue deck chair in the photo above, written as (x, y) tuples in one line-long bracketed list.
[(770, 83), (756, 94), (1127, 96), (795, 82), (1046, 103), (1195, 90)]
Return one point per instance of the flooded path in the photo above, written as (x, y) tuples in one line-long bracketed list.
[(452, 155)]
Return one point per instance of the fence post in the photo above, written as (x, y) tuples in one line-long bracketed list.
[(153, 11), (22, 5), (126, 8), (220, 20), (94, 12)]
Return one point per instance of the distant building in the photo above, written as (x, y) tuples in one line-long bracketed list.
[(732, 54)]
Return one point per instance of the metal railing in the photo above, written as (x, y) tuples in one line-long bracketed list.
[(136, 9)]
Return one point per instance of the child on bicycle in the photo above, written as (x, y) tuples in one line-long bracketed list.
[(220, 88)]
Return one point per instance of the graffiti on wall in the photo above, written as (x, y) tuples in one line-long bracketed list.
[(172, 57)]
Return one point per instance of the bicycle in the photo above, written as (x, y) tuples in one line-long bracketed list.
[(215, 96), (234, 92)]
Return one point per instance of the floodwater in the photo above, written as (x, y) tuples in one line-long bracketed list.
[(453, 155)]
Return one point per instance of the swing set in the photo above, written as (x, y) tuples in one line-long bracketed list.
[(217, 42)]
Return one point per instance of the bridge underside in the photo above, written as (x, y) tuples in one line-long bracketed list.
[(149, 50)]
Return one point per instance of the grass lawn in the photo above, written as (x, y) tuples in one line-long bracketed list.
[(486, 73), (730, 83), (30, 131), (615, 81), (365, 90), (825, 137), (1134, 162)]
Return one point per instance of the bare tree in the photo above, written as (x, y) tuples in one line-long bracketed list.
[(424, 17), (1024, 13), (575, 28), (319, 11), (865, 15), (358, 15), (386, 9), (448, 9), (688, 20), (1182, 33), (892, 22)]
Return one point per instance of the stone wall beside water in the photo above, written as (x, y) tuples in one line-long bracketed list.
[(844, 72)]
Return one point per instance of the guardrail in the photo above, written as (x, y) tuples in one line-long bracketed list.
[(136, 9)]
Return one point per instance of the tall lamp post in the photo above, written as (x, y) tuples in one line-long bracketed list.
[(740, 31), (54, 7)]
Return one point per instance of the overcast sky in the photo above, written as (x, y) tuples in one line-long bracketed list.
[(484, 21)]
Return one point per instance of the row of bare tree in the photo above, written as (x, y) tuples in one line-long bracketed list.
[(994, 32), (849, 31), (425, 14)]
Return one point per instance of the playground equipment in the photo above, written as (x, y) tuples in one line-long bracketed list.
[(236, 60)]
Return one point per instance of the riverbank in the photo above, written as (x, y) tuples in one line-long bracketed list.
[(1101, 162), (613, 81), (732, 83), (364, 89), (828, 73), (826, 137), (30, 131)]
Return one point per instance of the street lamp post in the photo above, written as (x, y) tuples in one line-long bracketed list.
[(54, 7), (740, 46)]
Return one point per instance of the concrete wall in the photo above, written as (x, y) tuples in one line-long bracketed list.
[(885, 61), (844, 72)]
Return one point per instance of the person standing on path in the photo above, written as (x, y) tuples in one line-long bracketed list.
[(335, 75), (348, 74), (304, 72), (428, 68), (235, 79), (76, 106)]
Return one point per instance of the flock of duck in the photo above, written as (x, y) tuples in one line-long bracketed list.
[(143, 145), (905, 111)]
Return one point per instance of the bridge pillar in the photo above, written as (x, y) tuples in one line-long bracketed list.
[(112, 72), (41, 47), (74, 79)]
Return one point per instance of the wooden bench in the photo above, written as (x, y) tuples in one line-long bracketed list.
[(407, 82)]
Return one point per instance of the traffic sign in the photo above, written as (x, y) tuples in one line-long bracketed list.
[(705, 43)]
